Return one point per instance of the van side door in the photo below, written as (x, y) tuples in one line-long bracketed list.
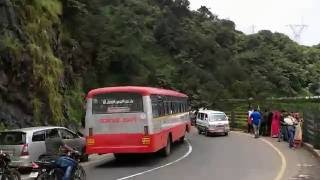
[(205, 120), (198, 119)]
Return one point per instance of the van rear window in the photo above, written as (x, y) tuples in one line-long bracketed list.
[(121, 102), (218, 117), (12, 138)]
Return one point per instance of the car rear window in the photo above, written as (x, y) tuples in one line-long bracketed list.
[(12, 138), (117, 103)]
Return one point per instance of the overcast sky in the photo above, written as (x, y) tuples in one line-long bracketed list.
[(273, 15)]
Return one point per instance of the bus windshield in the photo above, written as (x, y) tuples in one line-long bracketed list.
[(117, 102)]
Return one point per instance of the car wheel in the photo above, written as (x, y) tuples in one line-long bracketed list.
[(226, 133)]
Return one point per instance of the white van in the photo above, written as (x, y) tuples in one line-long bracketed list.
[(210, 122)]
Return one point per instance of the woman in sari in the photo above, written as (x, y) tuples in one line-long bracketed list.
[(298, 130), (275, 124)]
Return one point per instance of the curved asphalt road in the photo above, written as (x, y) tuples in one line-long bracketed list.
[(235, 157)]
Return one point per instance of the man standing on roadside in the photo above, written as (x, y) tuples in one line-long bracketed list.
[(291, 122), (249, 121), (256, 119)]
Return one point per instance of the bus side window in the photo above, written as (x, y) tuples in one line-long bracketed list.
[(156, 106), (162, 109), (155, 109), (167, 108), (176, 107), (185, 105)]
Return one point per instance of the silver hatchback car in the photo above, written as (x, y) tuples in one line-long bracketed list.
[(27, 144)]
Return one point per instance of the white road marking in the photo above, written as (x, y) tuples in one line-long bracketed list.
[(301, 176), (156, 168), (304, 176), (282, 157), (304, 165)]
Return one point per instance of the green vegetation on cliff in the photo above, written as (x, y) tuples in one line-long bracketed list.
[(66, 47)]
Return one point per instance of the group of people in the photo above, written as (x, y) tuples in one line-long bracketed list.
[(284, 125), (259, 123), (290, 128)]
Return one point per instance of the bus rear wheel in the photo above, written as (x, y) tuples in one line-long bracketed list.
[(121, 156), (167, 150), (181, 139)]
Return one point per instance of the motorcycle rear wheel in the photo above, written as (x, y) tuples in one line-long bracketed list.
[(57, 175), (79, 173)]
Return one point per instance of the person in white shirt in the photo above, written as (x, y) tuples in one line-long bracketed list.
[(250, 128), (290, 121)]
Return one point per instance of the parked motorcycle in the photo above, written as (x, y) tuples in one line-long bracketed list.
[(45, 169), (7, 172)]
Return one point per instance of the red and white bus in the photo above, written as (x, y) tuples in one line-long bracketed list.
[(132, 119)]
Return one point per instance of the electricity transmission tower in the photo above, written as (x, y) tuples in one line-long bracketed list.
[(297, 30), (252, 29)]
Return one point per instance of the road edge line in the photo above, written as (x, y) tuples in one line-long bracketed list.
[(310, 148), (282, 157), (283, 160), (159, 167)]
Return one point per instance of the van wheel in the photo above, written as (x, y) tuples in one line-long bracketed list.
[(199, 130), (167, 150), (226, 133), (207, 133)]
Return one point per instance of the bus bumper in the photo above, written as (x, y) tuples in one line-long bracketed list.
[(113, 143)]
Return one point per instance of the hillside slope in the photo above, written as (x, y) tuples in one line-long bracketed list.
[(53, 51)]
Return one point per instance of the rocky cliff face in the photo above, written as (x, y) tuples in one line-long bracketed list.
[(15, 104), (35, 88)]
